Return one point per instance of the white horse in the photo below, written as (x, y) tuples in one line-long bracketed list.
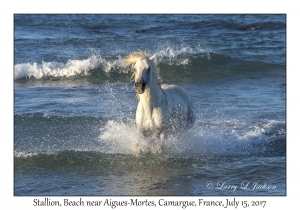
[(162, 109)]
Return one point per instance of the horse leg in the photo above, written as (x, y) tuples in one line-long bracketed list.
[(137, 149), (162, 136)]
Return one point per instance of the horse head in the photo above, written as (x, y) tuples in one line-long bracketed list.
[(143, 73)]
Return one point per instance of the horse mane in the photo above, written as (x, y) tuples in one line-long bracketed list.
[(134, 57)]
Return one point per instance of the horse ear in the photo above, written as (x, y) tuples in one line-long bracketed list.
[(152, 57)]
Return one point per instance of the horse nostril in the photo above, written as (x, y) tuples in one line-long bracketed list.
[(139, 84)]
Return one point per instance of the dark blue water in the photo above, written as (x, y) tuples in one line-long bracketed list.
[(74, 105)]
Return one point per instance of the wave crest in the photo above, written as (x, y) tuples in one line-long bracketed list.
[(68, 69)]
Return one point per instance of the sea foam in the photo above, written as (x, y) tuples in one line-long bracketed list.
[(68, 69)]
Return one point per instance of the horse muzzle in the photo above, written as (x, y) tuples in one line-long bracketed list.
[(140, 87)]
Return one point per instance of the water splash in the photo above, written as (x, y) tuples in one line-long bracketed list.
[(228, 137)]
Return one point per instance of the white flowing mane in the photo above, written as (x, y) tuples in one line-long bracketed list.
[(131, 59)]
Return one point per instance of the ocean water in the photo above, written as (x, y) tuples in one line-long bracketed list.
[(74, 105)]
